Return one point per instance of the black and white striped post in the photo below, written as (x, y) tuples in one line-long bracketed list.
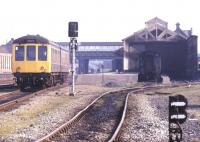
[(177, 116), (73, 46)]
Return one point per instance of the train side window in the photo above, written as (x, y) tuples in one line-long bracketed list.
[(31, 50), (42, 53), (19, 53)]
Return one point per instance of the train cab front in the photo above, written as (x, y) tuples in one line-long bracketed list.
[(30, 64)]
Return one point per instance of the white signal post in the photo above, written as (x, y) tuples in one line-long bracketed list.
[(73, 47)]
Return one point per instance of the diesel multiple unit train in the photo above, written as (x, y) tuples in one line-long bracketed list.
[(38, 62)]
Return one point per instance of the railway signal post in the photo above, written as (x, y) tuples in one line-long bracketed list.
[(177, 116), (73, 45)]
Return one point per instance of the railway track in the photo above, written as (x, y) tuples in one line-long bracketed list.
[(99, 121), (8, 100), (8, 94), (11, 99), (7, 86)]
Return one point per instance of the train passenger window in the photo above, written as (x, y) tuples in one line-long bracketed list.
[(30, 56), (19, 53), (42, 53)]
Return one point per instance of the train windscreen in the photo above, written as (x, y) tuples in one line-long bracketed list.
[(31, 50), (19, 53)]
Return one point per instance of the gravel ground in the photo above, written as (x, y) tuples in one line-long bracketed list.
[(147, 117), (42, 114), (146, 120), (141, 123), (191, 128), (99, 122)]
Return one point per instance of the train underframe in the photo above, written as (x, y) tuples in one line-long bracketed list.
[(39, 80)]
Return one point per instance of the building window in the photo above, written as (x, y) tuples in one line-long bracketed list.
[(42, 53), (19, 53)]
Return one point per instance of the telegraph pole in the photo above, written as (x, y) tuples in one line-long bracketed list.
[(73, 46)]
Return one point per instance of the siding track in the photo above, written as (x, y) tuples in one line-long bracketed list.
[(99, 121)]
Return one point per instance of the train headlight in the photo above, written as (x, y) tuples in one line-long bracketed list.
[(42, 68), (18, 69)]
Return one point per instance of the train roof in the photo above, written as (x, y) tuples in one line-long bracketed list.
[(31, 39), (36, 39)]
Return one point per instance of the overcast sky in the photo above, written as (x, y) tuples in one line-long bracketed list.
[(99, 20)]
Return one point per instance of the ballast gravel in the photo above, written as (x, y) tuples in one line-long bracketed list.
[(141, 123), (147, 116), (44, 113)]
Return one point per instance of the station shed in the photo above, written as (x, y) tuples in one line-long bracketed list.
[(177, 49)]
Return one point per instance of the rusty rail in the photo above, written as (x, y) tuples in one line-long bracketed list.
[(25, 97), (67, 125), (8, 86), (63, 128), (16, 101), (122, 119), (8, 94), (114, 136)]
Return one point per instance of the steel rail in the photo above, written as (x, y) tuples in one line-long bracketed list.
[(16, 101), (26, 97), (3, 86), (114, 136), (8, 94), (63, 128), (122, 119), (77, 117)]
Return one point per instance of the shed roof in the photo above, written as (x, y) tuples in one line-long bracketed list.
[(157, 30)]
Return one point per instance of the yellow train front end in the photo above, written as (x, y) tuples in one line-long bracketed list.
[(26, 59), (31, 61)]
